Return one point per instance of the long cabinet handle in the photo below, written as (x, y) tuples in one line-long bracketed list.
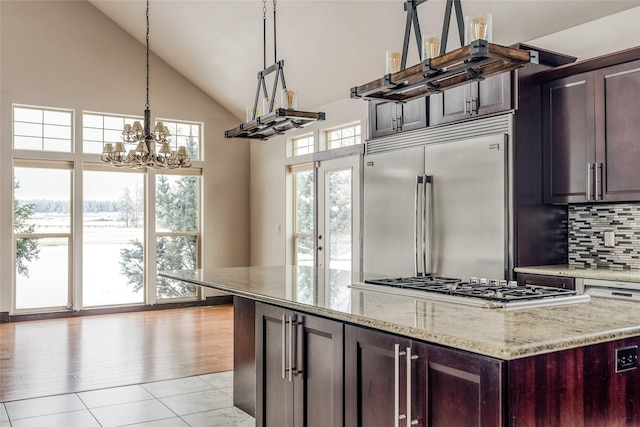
[(396, 387), (410, 358), (284, 340), (416, 219), (290, 348), (589, 171)]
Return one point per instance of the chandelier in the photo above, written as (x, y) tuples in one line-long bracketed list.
[(272, 120), (145, 155), (439, 70)]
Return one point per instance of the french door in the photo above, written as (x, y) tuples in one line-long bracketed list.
[(338, 213)]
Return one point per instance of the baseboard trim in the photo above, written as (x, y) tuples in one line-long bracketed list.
[(5, 317)]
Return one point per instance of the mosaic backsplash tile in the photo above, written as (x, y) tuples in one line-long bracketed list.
[(587, 227)]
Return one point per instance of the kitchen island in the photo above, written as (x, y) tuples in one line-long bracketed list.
[(544, 366)]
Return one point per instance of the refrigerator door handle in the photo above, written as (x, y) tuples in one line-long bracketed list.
[(427, 225), (416, 219)]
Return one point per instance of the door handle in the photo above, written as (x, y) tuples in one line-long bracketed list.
[(427, 228), (589, 172), (284, 353), (475, 101), (416, 219)]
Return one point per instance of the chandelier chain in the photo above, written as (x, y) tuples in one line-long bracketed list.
[(275, 44), (147, 40), (264, 34)]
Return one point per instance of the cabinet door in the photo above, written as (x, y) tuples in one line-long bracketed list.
[(568, 139), (412, 115), (491, 95), (372, 381), (618, 131), (450, 105), (274, 394), (318, 385), (382, 118), (457, 389)]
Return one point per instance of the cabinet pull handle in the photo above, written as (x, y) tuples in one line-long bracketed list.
[(396, 387), (284, 354), (599, 189), (290, 348), (474, 101), (410, 358), (466, 101), (588, 181)]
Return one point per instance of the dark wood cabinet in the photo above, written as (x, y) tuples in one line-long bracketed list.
[(392, 380), (590, 136), (299, 369), (543, 280), (244, 355), (386, 118), (487, 96)]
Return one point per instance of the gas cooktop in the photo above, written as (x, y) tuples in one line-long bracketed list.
[(477, 292)]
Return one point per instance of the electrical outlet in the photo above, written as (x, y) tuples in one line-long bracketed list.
[(626, 358), (609, 239)]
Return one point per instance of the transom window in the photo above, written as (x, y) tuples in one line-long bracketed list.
[(100, 129), (303, 145), (42, 129), (187, 134), (343, 137)]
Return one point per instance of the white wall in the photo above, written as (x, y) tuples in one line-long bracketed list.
[(268, 204), (68, 54)]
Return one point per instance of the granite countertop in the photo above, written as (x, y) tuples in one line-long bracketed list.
[(583, 272), (497, 333)]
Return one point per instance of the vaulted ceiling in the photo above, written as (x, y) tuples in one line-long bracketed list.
[(328, 46)]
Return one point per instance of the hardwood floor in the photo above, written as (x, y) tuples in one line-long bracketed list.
[(47, 357)]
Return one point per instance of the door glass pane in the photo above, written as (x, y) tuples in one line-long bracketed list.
[(42, 208), (113, 236), (177, 211), (43, 277), (340, 219)]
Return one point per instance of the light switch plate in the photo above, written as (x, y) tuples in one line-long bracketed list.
[(609, 239)]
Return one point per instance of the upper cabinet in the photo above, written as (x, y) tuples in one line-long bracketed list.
[(591, 135), (386, 118), (487, 96)]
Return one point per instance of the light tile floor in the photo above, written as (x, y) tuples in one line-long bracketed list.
[(205, 400)]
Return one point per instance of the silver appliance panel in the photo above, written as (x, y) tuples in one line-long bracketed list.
[(626, 291)]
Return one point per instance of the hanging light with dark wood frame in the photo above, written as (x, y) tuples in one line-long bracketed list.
[(273, 121), (472, 62)]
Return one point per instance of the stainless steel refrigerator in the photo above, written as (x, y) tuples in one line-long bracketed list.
[(439, 209)]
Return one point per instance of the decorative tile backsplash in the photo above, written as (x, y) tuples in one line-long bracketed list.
[(587, 227)]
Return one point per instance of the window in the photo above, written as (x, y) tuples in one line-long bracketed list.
[(185, 134), (303, 218), (103, 258), (303, 145), (42, 129), (42, 221), (100, 129), (177, 231), (343, 137), (112, 237)]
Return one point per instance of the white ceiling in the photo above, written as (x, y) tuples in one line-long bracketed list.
[(328, 46)]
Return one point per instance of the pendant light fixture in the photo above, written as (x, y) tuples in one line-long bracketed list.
[(144, 155), (439, 70), (266, 120)]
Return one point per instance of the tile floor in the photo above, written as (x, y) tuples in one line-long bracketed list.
[(204, 400)]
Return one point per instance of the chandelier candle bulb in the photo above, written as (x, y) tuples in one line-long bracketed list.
[(394, 61), (479, 27), (430, 46), (289, 99)]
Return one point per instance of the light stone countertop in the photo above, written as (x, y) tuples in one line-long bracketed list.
[(497, 333), (583, 272)]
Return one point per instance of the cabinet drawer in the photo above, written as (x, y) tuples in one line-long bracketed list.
[(542, 280)]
